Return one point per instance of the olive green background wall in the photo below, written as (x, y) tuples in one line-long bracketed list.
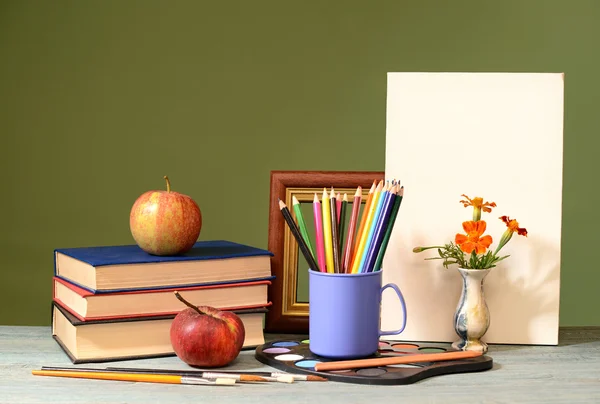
[(100, 99)]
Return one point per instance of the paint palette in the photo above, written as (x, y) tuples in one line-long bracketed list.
[(294, 356)]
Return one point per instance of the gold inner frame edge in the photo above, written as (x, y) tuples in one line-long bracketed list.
[(291, 307)]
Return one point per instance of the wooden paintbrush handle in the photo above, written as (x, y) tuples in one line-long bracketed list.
[(131, 377)]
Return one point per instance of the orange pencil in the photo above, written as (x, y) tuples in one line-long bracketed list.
[(395, 360), (363, 221), (135, 377)]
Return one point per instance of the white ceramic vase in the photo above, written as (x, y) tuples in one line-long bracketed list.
[(472, 316)]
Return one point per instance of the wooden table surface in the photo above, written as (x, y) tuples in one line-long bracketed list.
[(568, 373)]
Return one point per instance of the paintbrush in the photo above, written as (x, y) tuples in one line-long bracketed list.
[(198, 372), (396, 360), (249, 378), (241, 377), (195, 373), (136, 377)]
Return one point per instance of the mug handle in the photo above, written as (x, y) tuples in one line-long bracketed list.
[(397, 290)]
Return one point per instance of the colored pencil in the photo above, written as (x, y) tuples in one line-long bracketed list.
[(326, 210), (359, 251), (302, 224), (370, 230), (193, 373), (342, 227), (296, 232), (380, 230), (347, 255), (338, 208), (334, 234), (361, 226), (395, 360), (318, 219), (136, 377), (388, 232)]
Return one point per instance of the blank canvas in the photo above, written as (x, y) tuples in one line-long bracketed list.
[(494, 135)]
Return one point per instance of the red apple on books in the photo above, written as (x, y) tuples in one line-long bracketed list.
[(204, 336), (165, 222)]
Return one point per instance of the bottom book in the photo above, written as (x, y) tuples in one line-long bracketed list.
[(131, 338)]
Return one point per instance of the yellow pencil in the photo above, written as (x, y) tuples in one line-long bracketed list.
[(135, 377), (326, 210), (360, 250)]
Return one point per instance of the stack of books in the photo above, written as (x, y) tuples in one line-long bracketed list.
[(118, 302)]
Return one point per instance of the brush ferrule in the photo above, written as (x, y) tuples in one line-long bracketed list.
[(198, 380)]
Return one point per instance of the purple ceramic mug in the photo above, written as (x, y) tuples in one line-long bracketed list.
[(344, 314)]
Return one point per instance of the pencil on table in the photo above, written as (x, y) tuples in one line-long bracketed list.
[(395, 360), (136, 377), (302, 224), (388, 231), (318, 219), (347, 254), (296, 232), (334, 234), (361, 226), (327, 231)]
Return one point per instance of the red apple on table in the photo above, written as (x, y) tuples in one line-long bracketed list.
[(165, 222), (204, 336)]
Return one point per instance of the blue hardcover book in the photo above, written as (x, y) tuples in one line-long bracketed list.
[(129, 268)]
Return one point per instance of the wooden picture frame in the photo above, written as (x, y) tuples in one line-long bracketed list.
[(287, 314)]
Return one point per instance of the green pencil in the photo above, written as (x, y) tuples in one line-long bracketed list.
[(301, 224), (388, 231)]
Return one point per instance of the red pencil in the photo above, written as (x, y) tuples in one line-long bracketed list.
[(351, 230)]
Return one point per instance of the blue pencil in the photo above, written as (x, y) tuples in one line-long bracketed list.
[(380, 231), (371, 230)]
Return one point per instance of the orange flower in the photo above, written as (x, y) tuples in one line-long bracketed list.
[(513, 226), (473, 240), (477, 202), (478, 205)]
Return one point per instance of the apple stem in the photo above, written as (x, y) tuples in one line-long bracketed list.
[(168, 183), (178, 296)]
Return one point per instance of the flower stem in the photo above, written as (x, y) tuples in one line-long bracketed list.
[(421, 249)]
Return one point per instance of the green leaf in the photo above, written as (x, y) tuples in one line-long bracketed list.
[(500, 259)]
